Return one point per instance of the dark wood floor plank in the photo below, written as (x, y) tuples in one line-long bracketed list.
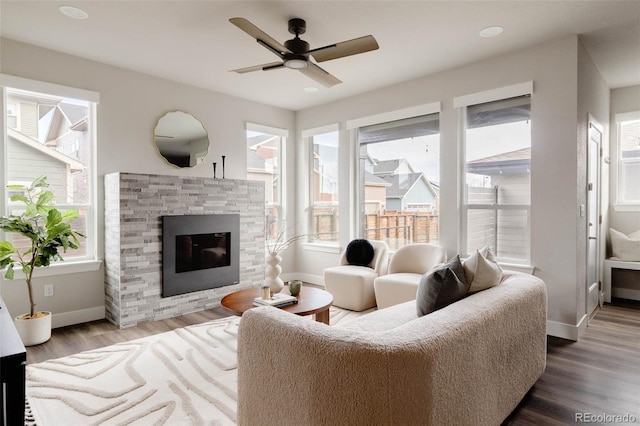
[(600, 374)]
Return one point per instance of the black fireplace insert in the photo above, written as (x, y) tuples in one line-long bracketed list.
[(199, 252)]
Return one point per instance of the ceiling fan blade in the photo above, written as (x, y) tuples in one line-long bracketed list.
[(265, 67), (344, 48), (321, 76), (261, 37)]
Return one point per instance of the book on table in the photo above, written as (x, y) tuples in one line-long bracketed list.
[(277, 300)]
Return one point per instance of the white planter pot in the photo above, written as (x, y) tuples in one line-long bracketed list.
[(34, 331)]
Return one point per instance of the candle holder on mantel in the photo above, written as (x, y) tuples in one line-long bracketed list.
[(223, 166), (214, 169)]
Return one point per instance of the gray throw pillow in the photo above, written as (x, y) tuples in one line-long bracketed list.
[(441, 287)]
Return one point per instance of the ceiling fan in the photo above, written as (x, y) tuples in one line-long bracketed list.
[(295, 53)]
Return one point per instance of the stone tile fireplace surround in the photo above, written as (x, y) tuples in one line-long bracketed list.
[(134, 205)]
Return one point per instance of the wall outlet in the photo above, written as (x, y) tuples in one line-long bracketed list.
[(48, 290)]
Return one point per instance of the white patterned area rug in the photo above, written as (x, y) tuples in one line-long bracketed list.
[(181, 377)]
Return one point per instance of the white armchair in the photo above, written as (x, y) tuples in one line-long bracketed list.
[(352, 285), (406, 267)]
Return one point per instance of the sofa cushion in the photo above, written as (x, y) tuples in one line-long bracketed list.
[(482, 270), (625, 247), (359, 252), (442, 286), (382, 319)]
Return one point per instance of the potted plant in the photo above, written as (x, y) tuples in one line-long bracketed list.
[(47, 229)]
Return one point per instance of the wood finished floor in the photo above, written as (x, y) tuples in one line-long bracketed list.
[(599, 375)]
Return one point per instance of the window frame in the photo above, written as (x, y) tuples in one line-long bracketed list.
[(307, 139), (283, 134), (90, 261), (355, 202), (620, 204), (360, 184), (460, 104)]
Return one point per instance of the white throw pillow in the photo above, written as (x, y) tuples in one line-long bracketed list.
[(482, 270), (625, 247)]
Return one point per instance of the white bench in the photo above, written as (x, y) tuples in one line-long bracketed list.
[(618, 264)]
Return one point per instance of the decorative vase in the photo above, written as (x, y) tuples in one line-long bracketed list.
[(294, 287), (272, 273), (34, 331)]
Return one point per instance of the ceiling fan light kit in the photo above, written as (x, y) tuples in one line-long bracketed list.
[(296, 62), (295, 53)]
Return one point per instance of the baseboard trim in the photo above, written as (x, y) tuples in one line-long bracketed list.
[(308, 278), (77, 317), (625, 293), (567, 331)]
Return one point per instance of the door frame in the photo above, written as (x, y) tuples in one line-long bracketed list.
[(592, 125)]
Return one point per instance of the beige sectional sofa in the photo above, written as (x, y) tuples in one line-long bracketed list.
[(469, 363)]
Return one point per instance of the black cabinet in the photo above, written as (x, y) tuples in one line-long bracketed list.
[(13, 359)]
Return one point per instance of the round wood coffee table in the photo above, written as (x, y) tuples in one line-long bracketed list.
[(310, 301)]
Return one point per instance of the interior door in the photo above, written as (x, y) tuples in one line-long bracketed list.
[(593, 216)]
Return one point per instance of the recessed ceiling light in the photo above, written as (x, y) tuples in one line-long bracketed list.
[(311, 89), (73, 12), (491, 31)]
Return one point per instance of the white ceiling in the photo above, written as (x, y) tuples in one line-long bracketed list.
[(192, 42)]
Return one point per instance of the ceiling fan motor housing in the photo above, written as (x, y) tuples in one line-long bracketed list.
[(297, 26), (298, 57), (297, 46)]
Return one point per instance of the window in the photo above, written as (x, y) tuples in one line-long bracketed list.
[(400, 180), (324, 187), (497, 182), (264, 163), (52, 135), (628, 158)]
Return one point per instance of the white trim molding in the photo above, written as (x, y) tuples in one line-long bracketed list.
[(320, 130), (77, 317), (49, 88), (399, 114), (267, 129), (316, 280), (506, 92), (58, 268), (567, 331), (626, 293)]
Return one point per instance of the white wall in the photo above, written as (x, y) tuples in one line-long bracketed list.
[(130, 105), (593, 103), (555, 221)]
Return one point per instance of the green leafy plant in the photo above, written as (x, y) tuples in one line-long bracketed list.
[(46, 227)]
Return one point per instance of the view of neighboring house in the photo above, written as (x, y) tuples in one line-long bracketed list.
[(262, 163), (500, 180), (263, 158), (401, 205), (404, 189), (49, 137), (630, 160)]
